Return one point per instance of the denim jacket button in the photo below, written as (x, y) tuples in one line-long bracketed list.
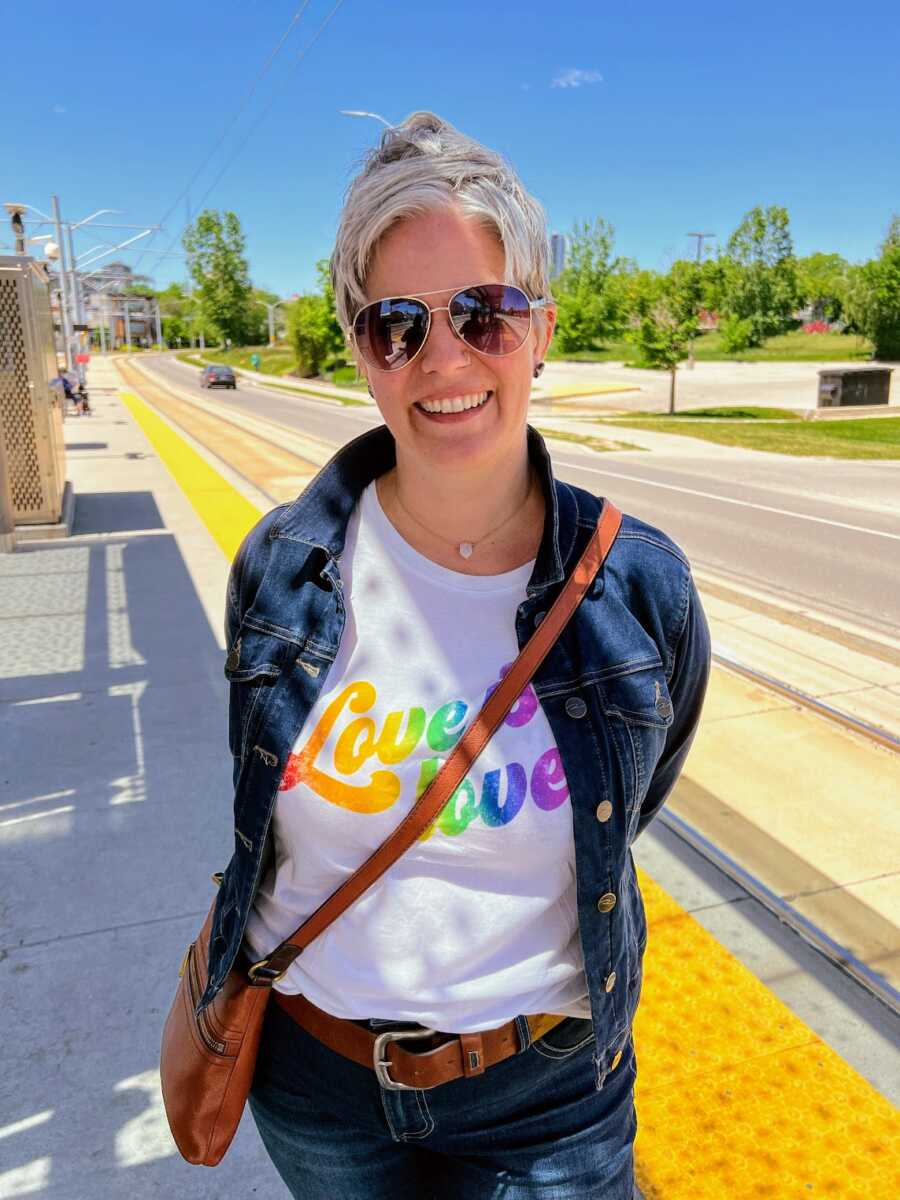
[(606, 902), (576, 707), (604, 810), (610, 982)]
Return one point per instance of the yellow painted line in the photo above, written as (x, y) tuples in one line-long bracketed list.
[(223, 510), (561, 392), (737, 1099)]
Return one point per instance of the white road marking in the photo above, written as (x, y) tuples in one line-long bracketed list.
[(25, 1123), (783, 512), (51, 812)]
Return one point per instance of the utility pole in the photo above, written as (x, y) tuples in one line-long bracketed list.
[(158, 325), (63, 287), (701, 237), (127, 325)]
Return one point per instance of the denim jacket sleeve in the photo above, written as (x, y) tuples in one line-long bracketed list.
[(687, 689)]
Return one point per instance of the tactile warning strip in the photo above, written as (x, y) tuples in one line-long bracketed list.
[(736, 1098)]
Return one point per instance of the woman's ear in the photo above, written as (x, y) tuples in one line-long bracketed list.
[(544, 327)]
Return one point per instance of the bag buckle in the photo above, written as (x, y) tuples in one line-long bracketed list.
[(260, 974), (382, 1063)]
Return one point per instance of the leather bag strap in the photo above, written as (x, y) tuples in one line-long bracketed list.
[(429, 805)]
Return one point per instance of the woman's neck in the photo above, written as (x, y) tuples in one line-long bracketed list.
[(500, 517)]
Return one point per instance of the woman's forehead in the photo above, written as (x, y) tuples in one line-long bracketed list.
[(440, 250)]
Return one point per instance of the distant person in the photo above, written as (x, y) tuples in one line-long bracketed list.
[(366, 622)]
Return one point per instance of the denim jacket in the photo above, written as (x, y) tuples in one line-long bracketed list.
[(622, 690)]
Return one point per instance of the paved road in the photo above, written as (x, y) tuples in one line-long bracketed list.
[(824, 534)]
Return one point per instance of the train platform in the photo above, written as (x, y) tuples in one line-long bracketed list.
[(766, 1069)]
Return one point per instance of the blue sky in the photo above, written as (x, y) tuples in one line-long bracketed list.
[(660, 118)]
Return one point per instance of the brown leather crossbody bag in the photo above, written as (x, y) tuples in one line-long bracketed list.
[(208, 1059)]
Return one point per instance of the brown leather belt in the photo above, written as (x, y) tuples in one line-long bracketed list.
[(440, 1058)]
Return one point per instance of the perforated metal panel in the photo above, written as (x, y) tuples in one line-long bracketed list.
[(30, 411)]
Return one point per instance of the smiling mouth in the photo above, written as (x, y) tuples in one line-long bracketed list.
[(454, 406)]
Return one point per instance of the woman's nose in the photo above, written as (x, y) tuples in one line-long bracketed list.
[(443, 351)]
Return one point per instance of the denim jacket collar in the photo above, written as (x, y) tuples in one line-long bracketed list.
[(320, 515)]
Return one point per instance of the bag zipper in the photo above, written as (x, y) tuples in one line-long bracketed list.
[(203, 1026)]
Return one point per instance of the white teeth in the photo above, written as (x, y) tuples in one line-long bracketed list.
[(454, 404)]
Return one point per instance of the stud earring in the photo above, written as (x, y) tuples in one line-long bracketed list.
[(538, 370)]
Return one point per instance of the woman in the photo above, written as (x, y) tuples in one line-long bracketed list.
[(366, 624)]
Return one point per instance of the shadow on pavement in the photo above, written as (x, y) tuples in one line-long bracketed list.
[(115, 512), (115, 808)]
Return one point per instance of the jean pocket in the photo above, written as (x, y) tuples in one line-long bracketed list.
[(568, 1037)]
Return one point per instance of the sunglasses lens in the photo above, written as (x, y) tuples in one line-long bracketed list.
[(492, 318), (390, 332)]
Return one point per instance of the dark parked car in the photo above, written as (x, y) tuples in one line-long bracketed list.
[(217, 377)]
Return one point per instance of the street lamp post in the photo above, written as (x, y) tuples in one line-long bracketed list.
[(270, 309), (353, 112)]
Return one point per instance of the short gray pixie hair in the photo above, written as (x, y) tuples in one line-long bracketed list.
[(422, 164)]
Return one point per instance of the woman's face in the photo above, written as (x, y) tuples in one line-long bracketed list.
[(443, 249)]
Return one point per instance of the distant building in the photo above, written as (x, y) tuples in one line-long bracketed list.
[(558, 249)]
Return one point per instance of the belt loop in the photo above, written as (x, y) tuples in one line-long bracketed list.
[(524, 1031), (472, 1045)]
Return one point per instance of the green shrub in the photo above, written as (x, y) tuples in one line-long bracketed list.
[(736, 333)]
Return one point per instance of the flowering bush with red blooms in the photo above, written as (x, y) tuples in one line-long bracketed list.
[(816, 327)]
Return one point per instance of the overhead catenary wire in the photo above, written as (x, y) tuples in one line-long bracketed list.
[(238, 113), (241, 144)]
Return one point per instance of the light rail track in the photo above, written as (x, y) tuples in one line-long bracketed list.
[(881, 736)]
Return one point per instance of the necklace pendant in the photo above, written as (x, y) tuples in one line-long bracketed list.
[(465, 549)]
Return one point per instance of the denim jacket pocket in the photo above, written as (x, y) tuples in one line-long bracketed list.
[(637, 705)]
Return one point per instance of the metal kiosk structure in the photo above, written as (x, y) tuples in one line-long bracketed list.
[(31, 409)]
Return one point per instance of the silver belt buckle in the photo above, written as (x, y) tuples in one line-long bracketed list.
[(382, 1064)]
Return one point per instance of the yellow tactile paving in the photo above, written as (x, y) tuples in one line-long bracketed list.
[(737, 1099)]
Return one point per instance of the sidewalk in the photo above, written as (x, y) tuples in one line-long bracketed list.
[(115, 810)]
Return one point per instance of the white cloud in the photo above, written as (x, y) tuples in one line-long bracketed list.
[(59, 109), (575, 77)]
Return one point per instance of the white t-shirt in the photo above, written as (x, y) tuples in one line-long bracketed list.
[(476, 923)]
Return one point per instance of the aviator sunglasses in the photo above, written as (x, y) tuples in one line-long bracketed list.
[(491, 318)]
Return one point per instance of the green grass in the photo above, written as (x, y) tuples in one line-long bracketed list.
[(787, 347), (778, 430)]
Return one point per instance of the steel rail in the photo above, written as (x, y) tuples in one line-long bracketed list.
[(837, 955), (883, 737)]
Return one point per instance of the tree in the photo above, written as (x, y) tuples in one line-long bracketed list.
[(215, 248), (759, 273), (668, 309), (873, 301), (588, 308), (313, 327), (822, 283)]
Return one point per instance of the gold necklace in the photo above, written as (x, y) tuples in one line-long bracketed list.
[(466, 549)]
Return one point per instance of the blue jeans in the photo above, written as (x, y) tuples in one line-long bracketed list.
[(534, 1125)]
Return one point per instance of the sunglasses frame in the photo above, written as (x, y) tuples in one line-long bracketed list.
[(532, 305)]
